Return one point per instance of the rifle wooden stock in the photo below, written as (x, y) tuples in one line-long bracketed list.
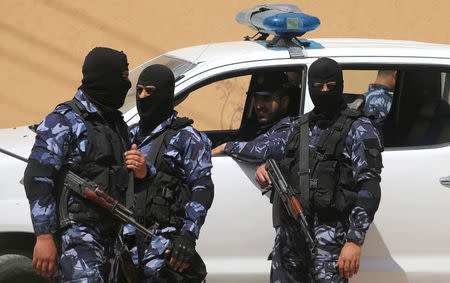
[(92, 192)]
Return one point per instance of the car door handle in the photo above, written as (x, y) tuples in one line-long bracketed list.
[(445, 181)]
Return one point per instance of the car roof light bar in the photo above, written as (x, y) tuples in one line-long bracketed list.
[(280, 20)]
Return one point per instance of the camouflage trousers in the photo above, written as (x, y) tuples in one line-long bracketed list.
[(290, 256), (292, 260), (89, 254)]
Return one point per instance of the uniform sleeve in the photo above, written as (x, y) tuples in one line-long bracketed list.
[(378, 104), (365, 146), (268, 145), (192, 152), (359, 224), (47, 156)]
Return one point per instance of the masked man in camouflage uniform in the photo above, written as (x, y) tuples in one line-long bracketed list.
[(272, 94), (88, 136), (178, 189), (343, 171), (380, 94)]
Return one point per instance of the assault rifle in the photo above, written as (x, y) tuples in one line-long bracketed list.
[(89, 190), (289, 200)]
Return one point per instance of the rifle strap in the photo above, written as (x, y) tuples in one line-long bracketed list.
[(141, 198), (129, 194), (303, 157)]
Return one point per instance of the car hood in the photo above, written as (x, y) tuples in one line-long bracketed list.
[(13, 200), (17, 140)]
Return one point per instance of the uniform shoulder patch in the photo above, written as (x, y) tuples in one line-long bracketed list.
[(371, 143)]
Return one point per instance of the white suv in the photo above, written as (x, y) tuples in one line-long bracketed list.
[(407, 240)]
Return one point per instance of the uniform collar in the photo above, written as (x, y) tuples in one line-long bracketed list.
[(373, 87), (166, 123), (90, 107), (156, 131)]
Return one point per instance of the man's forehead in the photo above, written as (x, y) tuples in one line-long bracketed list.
[(268, 82), (324, 74), (266, 94)]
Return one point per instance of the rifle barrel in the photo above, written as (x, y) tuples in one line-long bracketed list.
[(7, 152), (133, 222), (120, 212)]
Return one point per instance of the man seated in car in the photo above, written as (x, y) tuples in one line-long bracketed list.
[(256, 142), (380, 94)]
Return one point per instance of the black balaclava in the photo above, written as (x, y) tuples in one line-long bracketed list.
[(326, 103), (102, 78), (157, 107)]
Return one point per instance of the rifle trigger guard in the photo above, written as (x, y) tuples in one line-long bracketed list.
[(266, 189)]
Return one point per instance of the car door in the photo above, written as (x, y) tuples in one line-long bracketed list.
[(237, 236), (414, 208), (408, 239)]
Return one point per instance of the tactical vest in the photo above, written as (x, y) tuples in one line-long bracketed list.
[(103, 163), (331, 191), (163, 198)]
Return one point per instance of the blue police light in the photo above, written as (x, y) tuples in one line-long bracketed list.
[(282, 20)]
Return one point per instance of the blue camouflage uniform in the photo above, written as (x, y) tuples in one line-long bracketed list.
[(88, 253), (287, 263), (378, 100), (189, 155), (269, 144)]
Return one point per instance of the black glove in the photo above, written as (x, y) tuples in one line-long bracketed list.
[(183, 250)]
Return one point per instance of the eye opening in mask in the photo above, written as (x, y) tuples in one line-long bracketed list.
[(329, 85), (125, 74), (148, 89)]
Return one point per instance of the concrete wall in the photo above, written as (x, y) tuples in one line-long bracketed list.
[(43, 43)]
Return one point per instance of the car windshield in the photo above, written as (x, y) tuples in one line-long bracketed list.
[(177, 65)]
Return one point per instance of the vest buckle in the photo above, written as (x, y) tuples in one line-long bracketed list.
[(313, 183), (304, 172), (320, 156), (167, 193)]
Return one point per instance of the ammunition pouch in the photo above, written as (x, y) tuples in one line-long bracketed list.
[(332, 189), (163, 201), (322, 185)]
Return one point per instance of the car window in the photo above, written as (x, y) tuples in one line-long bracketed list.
[(410, 105), (222, 108), (217, 106), (445, 81), (358, 81), (421, 111)]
